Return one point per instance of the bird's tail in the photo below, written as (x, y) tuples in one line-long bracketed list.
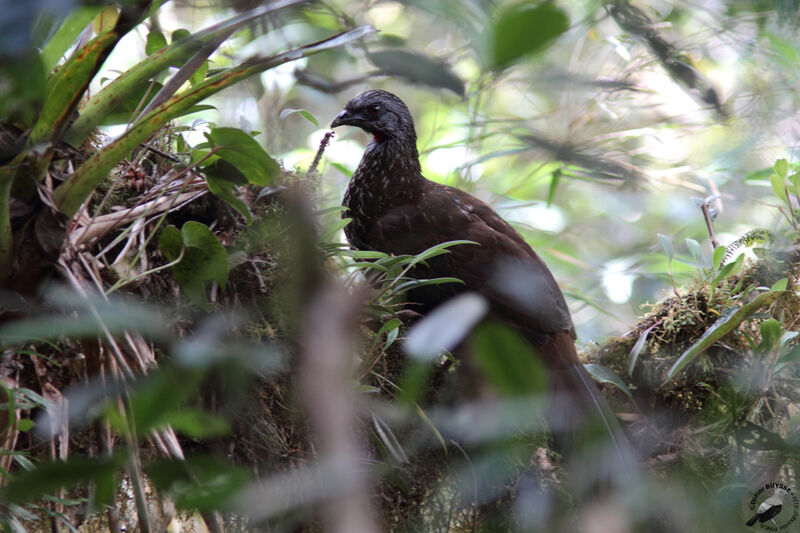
[(585, 429), (753, 520)]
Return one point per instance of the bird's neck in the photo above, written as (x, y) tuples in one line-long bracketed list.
[(389, 174)]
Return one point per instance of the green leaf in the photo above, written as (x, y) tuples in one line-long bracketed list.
[(770, 335), (780, 285), (508, 360), (605, 375), (223, 189), (416, 283), (523, 29), (66, 35), (794, 179), (25, 424), (204, 259), (199, 74), (155, 42), (719, 255), (68, 84), (180, 33), (637, 348), (170, 243), (197, 424), (50, 476), (782, 168), (666, 245), (726, 323), (71, 194), (695, 250), (437, 250), (245, 153), (212, 263), (779, 187), (730, 269), (155, 399), (203, 483), (302, 112), (551, 191)]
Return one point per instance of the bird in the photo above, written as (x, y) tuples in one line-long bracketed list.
[(396, 210), (769, 508)]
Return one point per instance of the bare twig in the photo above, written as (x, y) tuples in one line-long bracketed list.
[(709, 223)]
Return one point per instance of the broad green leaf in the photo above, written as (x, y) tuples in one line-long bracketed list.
[(695, 250), (155, 398), (223, 189), (196, 423), (770, 335), (155, 42), (605, 375), (68, 84), (730, 269), (779, 187), (302, 112), (730, 319), (66, 35), (180, 33), (523, 29), (794, 179), (106, 19), (176, 54), (204, 258), (782, 168), (202, 483), (719, 255), (445, 327), (507, 360), (170, 243), (24, 424), (73, 192), (780, 285), (212, 260), (245, 153), (666, 245), (199, 74)]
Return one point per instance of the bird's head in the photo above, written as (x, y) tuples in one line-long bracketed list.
[(380, 113)]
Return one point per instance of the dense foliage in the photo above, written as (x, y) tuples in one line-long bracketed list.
[(186, 341)]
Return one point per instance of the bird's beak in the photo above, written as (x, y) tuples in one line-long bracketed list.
[(342, 119)]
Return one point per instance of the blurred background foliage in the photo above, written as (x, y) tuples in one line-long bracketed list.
[(170, 230)]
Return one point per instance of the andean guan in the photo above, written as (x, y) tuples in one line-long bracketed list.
[(395, 209)]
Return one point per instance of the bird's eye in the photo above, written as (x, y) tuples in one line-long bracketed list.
[(374, 110)]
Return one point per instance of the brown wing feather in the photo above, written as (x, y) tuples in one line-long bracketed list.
[(444, 214)]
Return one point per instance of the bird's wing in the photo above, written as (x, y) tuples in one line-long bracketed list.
[(522, 292), (446, 214)]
